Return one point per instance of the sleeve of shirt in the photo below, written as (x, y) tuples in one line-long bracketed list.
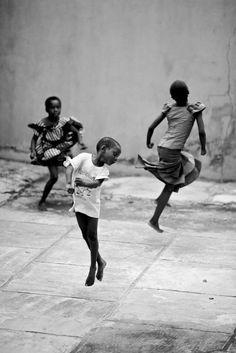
[(104, 174), (166, 108), (74, 162), (76, 123), (37, 128), (196, 107)]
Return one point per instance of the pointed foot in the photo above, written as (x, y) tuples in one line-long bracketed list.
[(42, 206), (155, 227), (100, 270), (91, 277)]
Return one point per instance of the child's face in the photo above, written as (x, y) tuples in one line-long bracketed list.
[(54, 108), (110, 155)]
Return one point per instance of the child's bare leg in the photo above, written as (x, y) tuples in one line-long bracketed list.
[(81, 219), (100, 261), (53, 170), (157, 199), (93, 243), (162, 202)]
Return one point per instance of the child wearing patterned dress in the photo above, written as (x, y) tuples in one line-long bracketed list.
[(176, 168), (52, 140), (85, 174)]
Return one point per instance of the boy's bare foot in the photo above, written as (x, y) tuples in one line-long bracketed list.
[(100, 270), (156, 227), (91, 277), (42, 206)]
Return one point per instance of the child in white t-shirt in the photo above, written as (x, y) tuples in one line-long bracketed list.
[(85, 174)]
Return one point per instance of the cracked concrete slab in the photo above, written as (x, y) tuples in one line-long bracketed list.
[(215, 251), (29, 235), (117, 254), (128, 232), (61, 316), (178, 309), (189, 277), (68, 280), (13, 259), (25, 342), (115, 337)]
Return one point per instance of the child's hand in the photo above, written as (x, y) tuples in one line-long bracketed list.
[(150, 145), (69, 188), (69, 136)]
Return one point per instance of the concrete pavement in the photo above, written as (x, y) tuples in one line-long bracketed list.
[(170, 292)]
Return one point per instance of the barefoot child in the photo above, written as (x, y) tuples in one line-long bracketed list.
[(85, 174), (53, 137), (175, 168)]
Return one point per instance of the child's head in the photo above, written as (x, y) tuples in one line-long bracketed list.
[(53, 106), (179, 91), (108, 149)]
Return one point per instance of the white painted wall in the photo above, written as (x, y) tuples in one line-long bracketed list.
[(112, 62)]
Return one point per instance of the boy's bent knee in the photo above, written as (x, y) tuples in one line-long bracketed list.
[(53, 179), (92, 236)]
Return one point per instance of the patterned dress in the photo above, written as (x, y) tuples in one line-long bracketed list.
[(53, 142)]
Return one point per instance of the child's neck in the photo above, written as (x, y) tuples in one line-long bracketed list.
[(181, 103), (97, 161)]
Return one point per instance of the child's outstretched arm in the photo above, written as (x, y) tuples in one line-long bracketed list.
[(202, 133), (151, 129)]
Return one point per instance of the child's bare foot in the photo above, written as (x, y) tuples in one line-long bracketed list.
[(156, 227), (100, 270), (42, 206), (91, 277)]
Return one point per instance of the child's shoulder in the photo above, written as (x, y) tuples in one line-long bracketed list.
[(39, 126), (83, 155), (196, 107), (167, 107)]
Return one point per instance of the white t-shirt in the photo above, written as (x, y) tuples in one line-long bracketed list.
[(86, 200)]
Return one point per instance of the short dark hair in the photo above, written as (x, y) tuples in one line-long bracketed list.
[(178, 88), (49, 99), (108, 142)]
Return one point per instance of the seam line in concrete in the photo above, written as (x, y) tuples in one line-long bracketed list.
[(57, 295), (132, 285), (33, 259), (189, 292), (39, 332), (229, 342), (161, 325), (207, 264)]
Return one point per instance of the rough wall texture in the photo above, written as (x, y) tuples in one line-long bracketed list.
[(112, 61)]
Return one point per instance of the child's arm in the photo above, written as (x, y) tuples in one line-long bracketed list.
[(69, 187), (92, 184), (202, 133), (151, 129)]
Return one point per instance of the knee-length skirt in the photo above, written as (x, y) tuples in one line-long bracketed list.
[(175, 167)]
